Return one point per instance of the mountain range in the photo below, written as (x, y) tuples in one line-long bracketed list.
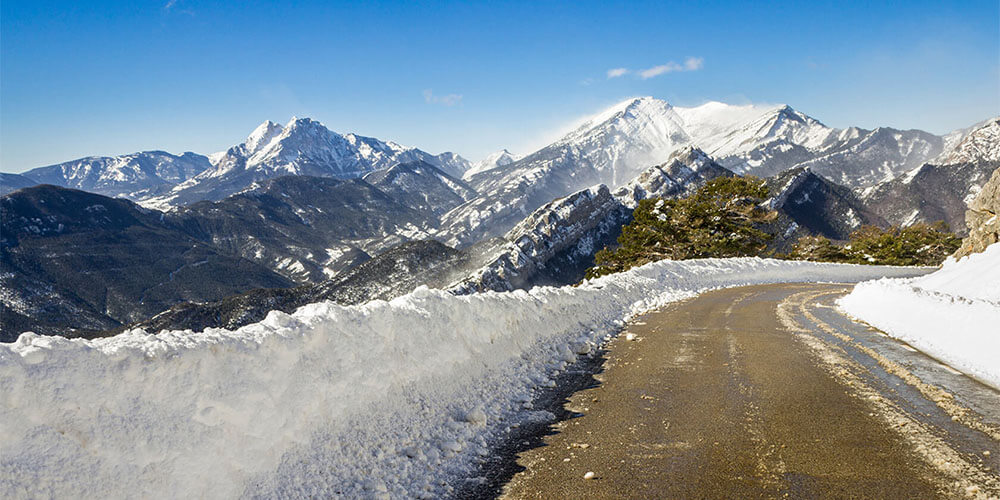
[(301, 213), (301, 147), (613, 147)]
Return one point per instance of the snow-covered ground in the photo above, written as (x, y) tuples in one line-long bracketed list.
[(952, 314), (385, 399)]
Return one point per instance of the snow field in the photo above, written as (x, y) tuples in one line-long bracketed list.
[(952, 314), (384, 399)]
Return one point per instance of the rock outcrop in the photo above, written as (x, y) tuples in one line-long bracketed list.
[(982, 218), (684, 172), (554, 245)]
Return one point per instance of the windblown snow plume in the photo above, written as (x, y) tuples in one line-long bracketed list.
[(386, 399), (952, 314)]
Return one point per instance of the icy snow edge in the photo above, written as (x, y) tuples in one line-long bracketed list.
[(952, 314), (384, 399)]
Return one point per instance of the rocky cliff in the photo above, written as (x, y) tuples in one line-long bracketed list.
[(982, 218)]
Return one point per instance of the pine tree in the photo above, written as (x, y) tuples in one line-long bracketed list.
[(916, 245), (720, 219)]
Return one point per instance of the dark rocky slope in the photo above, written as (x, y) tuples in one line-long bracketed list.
[(74, 260)]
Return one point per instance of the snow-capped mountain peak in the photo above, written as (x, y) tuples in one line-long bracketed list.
[(500, 158), (493, 160), (734, 131), (717, 119), (648, 116), (303, 141), (262, 136), (738, 135), (602, 116)]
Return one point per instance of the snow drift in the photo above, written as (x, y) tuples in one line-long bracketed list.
[(395, 398), (952, 314)]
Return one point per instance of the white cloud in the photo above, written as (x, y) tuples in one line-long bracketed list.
[(670, 67), (175, 7), (616, 72), (447, 100), (690, 64), (693, 63)]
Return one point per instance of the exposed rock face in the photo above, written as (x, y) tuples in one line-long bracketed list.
[(553, 245), (981, 144), (683, 173), (982, 218), (556, 243), (929, 193), (810, 204)]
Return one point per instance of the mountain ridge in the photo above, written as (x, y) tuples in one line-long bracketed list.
[(615, 145), (303, 146), (610, 147)]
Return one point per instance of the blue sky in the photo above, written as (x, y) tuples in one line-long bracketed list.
[(106, 78)]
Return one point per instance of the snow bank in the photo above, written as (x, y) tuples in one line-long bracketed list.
[(385, 399), (952, 314)]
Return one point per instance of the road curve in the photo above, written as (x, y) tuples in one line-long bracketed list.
[(768, 392)]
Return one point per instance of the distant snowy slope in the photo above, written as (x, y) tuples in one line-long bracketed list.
[(386, 399), (493, 160), (451, 163), (133, 175), (952, 314), (13, 182), (610, 148), (757, 139), (765, 140), (859, 158)]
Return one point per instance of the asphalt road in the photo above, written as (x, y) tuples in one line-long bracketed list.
[(768, 392)]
